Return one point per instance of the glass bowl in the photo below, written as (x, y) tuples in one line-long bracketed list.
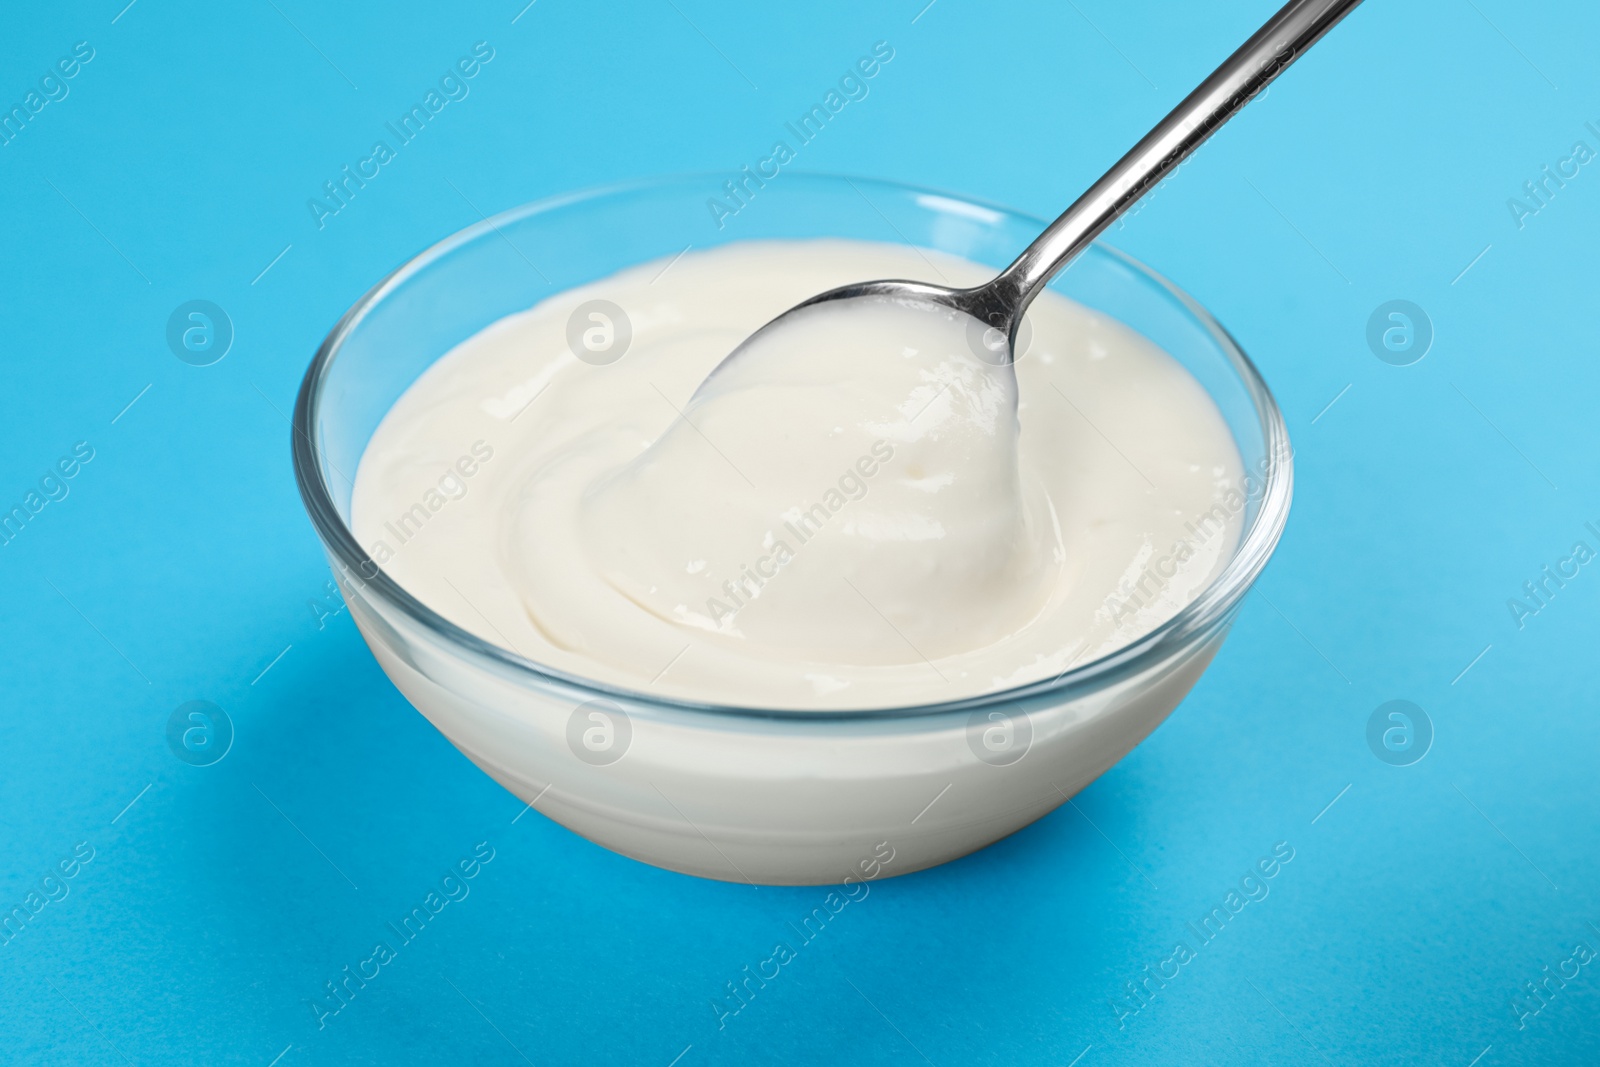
[(748, 793)]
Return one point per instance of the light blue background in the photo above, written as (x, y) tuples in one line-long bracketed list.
[(181, 563)]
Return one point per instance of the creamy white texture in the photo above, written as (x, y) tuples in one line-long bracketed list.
[(854, 455), (858, 511)]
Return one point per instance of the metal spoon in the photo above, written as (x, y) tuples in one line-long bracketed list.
[(1000, 303)]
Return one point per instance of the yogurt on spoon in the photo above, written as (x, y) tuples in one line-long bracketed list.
[(858, 464)]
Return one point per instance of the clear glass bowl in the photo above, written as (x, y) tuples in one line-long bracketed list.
[(749, 793)]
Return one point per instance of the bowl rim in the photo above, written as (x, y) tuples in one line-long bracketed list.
[(1207, 612)]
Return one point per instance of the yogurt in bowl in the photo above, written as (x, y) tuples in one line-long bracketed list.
[(828, 608)]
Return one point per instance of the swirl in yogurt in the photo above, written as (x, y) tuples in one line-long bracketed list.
[(859, 464)]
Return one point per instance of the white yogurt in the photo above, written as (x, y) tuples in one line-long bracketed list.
[(858, 511)]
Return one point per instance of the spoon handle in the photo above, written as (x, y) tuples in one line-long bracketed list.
[(1282, 40)]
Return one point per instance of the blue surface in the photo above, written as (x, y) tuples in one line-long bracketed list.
[(178, 566)]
